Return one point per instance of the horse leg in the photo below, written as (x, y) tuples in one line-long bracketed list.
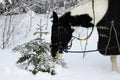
[(114, 63)]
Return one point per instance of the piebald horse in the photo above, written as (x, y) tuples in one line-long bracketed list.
[(106, 19)]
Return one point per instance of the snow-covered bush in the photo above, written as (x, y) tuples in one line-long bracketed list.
[(35, 55)]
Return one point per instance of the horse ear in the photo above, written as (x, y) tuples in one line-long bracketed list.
[(68, 13), (55, 17)]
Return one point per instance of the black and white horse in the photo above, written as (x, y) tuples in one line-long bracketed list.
[(107, 21)]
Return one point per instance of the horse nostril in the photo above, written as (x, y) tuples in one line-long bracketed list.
[(60, 49)]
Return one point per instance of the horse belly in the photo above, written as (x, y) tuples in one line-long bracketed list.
[(100, 8)]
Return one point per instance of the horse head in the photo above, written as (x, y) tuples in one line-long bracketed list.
[(62, 30)]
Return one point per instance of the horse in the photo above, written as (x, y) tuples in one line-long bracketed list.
[(106, 19)]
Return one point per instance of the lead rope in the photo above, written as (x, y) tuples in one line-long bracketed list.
[(88, 36), (92, 27), (85, 48), (93, 12)]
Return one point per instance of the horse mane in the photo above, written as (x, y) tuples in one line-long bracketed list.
[(76, 20)]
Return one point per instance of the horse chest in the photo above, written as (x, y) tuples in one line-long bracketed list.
[(100, 8)]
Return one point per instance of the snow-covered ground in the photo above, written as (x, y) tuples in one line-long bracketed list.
[(93, 66)]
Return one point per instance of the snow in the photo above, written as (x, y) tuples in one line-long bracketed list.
[(1, 0), (93, 66)]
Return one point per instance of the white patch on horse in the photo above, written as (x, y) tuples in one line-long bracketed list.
[(100, 8)]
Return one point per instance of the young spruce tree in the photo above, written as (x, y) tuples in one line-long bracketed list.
[(35, 55)]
